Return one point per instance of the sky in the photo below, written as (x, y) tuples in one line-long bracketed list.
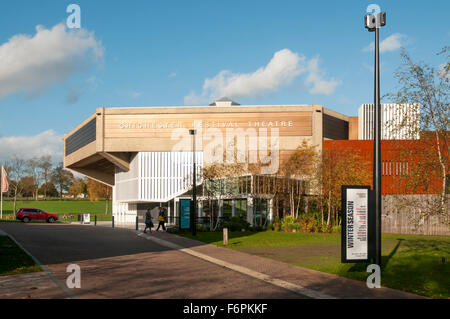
[(172, 53)]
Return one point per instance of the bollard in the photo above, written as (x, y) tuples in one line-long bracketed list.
[(225, 236), (95, 220), (137, 222), (113, 221)]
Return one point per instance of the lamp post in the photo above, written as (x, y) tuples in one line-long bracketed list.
[(194, 186), (373, 24)]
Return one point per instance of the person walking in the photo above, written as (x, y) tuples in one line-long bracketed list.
[(148, 220), (161, 219)]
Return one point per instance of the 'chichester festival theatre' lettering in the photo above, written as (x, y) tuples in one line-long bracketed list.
[(204, 124)]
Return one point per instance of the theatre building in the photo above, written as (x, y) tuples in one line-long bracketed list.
[(146, 153)]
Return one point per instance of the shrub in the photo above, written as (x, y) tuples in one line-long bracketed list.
[(236, 223)]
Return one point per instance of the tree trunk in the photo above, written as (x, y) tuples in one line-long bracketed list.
[(329, 208), (444, 176), (321, 207), (306, 205), (15, 200)]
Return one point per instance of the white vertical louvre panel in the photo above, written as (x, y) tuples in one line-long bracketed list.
[(398, 121), (166, 174)]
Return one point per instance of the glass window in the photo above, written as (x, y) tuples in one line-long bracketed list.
[(261, 211), (241, 208), (227, 208)]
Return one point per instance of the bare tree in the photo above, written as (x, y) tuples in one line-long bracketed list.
[(34, 170), (16, 169), (421, 85), (62, 178), (45, 165)]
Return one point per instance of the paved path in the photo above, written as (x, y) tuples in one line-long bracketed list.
[(117, 263), (123, 263)]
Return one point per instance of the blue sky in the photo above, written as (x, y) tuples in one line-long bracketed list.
[(158, 53)]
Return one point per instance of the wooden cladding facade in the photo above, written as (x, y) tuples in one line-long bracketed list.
[(110, 132)]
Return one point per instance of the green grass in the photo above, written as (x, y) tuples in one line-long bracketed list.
[(14, 260), (61, 207), (411, 263)]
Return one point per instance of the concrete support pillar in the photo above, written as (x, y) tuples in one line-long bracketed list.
[(250, 210), (200, 208), (168, 211)]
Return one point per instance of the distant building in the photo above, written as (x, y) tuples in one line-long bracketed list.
[(399, 122), (146, 155)]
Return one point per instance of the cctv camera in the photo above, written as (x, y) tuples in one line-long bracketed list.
[(370, 22)]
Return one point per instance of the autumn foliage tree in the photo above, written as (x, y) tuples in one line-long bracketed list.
[(337, 168), (97, 190), (301, 165), (78, 187)]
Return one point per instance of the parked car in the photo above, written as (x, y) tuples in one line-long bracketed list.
[(27, 214)]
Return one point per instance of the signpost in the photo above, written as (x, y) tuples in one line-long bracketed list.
[(185, 214), (357, 225)]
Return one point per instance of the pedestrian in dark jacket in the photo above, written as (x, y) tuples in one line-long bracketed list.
[(148, 221)]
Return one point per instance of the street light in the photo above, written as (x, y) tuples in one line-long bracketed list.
[(194, 186), (373, 24)]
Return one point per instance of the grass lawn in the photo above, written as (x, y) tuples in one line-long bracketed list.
[(62, 207), (14, 260), (411, 263)]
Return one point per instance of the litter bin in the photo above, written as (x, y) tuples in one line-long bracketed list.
[(86, 218)]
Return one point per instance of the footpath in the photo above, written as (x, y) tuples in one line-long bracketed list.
[(302, 281), (308, 282)]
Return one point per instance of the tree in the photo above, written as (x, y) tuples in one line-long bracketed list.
[(48, 189), (337, 168), (97, 190), (62, 179), (28, 186), (15, 169), (35, 172), (301, 165), (45, 166), (78, 187), (220, 180), (424, 86)]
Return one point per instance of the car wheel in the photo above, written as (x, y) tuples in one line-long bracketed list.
[(26, 219), (51, 220)]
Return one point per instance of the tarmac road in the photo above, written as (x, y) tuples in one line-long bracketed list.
[(117, 263)]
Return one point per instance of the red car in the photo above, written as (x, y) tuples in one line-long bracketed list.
[(27, 214)]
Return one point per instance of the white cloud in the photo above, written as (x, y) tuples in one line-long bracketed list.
[(172, 75), (33, 64), (135, 94), (282, 69), (45, 143), (316, 79), (391, 43)]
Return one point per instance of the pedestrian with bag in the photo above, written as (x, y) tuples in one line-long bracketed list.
[(161, 219), (148, 220)]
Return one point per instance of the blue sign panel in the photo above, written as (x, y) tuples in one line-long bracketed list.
[(185, 213)]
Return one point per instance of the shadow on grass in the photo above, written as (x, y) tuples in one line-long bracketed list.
[(418, 267)]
